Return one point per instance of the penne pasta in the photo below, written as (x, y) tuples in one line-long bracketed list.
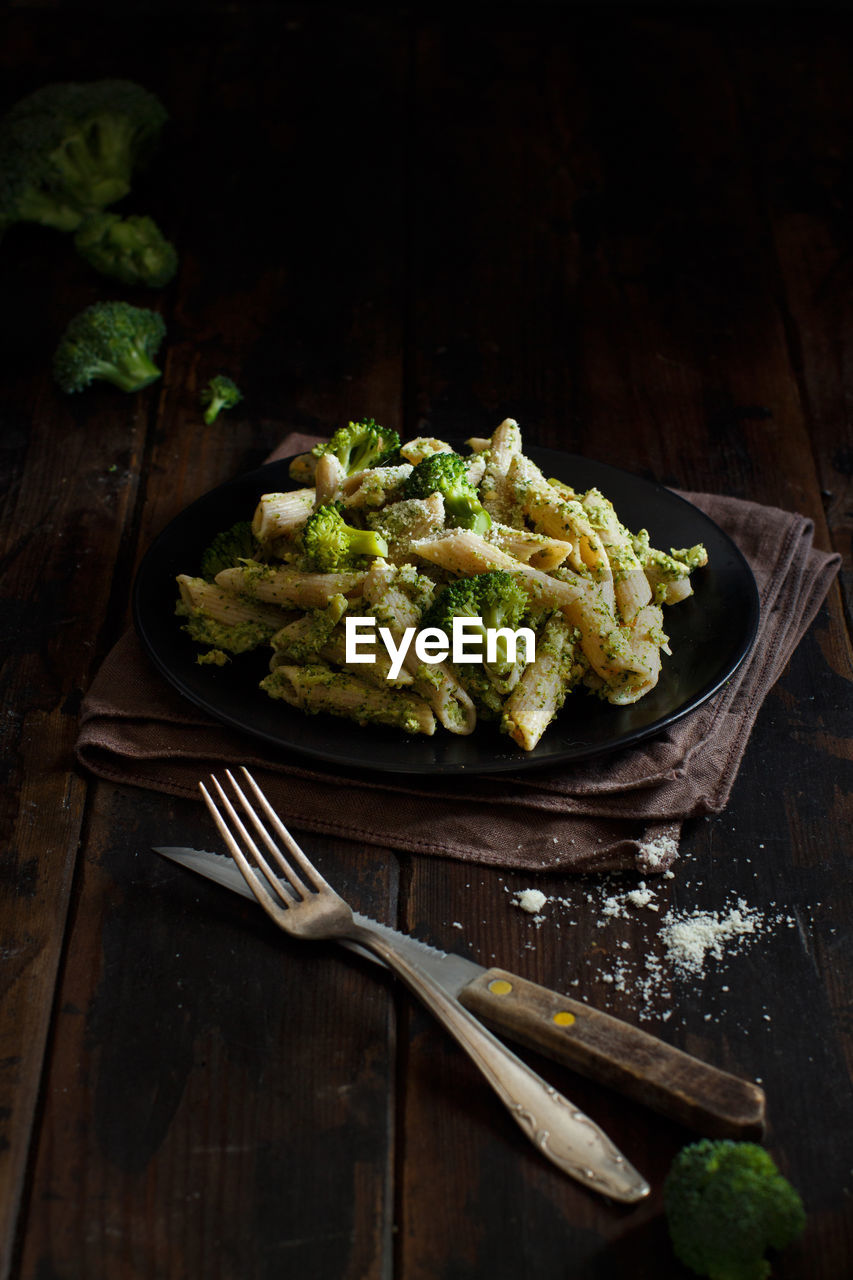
[(558, 515), (318, 688), (630, 585), (279, 515), (376, 487), (226, 606), (329, 478), (536, 549), (497, 491), (462, 551), (668, 575), (542, 688), (223, 619), (408, 521), (442, 689), (588, 592), (287, 586), (421, 447)]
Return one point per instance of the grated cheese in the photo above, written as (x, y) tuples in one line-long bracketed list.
[(690, 937), (531, 900), (681, 947)]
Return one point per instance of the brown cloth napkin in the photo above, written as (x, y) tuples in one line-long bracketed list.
[(617, 812)]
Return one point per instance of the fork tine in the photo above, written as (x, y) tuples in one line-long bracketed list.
[(300, 857), (261, 892), (293, 879), (236, 852)]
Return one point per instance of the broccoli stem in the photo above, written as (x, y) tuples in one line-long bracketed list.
[(84, 171), (466, 515), (136, 371), (213, 408), (366, 542), (49, 211)]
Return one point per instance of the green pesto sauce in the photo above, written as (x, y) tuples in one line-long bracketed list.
[(213, 658), (378, 707), (693, 557), (302, 644), (236, 637), (670, 567), (417, 587), (253, 573)]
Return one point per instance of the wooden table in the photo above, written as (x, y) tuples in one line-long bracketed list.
[(631, 230)]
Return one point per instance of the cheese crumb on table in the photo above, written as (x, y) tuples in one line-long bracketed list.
[(690, 937), (654, 855), (682, 947), (531, 900)]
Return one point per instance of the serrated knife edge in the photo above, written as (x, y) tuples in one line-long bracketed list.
[(452, 971)]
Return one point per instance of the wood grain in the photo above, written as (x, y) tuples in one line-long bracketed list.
[(618, 1055), (627, 228)]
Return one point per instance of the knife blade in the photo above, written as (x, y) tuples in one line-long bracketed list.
[(595, 1044)]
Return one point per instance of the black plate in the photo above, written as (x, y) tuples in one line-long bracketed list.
[(711, 633)]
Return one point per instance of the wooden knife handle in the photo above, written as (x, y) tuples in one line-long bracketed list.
[(595, 1044)]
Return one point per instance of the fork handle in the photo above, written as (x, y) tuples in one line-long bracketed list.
[(562, 1133)]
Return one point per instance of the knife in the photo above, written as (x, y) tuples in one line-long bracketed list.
[(595, 1044)]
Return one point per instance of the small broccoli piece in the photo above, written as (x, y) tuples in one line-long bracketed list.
[(726, 1203), (212, 658), (112, 342), (132, 250), (495, 598), (228, 549), (360, 445), (330, 545), (220, 393), (69, 150), (446, 473), (677, 564)]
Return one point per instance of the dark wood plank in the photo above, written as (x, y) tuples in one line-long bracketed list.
[(800, 116), (199, 1103), (629, 230), (70, 498), (663, 346), (71, 474), (201, 1064)]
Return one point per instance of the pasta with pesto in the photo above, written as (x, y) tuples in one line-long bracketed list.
[(353, 582)]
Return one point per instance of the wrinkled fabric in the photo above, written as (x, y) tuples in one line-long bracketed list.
[(617, 812)]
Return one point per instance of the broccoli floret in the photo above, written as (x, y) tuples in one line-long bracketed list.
[(220, 393), (495, 598), (330, 545), (69, 150), (109, 341), (726, 1203), (447, 474), (132, 250), (360, 445), (228, 548)]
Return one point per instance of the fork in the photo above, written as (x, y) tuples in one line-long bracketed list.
[(304, 904)]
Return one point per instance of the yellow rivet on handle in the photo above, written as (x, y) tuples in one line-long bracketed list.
[(564, 1018), (500, 987)]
